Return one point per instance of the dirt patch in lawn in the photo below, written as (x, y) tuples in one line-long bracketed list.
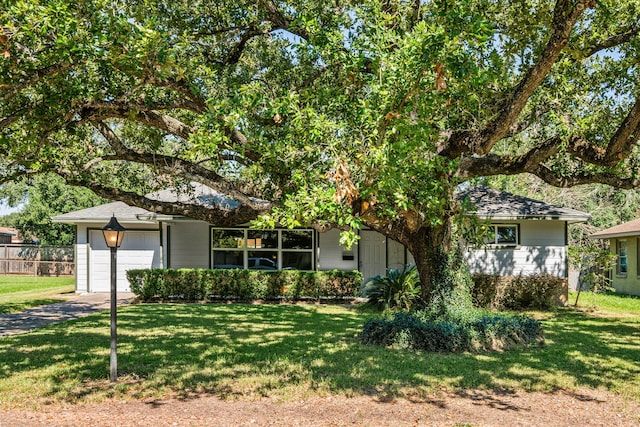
[(463, 408)]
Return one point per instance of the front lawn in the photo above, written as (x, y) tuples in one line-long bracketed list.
[(296, 351), (18, 293), (608, 303)]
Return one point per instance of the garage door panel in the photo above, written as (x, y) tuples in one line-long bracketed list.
[(139, 249)]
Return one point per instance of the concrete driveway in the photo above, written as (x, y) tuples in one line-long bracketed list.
[(78, 305)]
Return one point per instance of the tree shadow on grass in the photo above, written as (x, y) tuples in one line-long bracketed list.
[(295, 350), (15, 307)]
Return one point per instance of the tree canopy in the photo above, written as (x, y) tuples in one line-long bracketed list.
[(338, 114), (42, 197)]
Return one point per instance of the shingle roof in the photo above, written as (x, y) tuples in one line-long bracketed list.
[(489, 203), (121, 210), (631, 228), (496, 204), (196, 193)]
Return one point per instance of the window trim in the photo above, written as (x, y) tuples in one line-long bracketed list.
[(637, 257), (280, 250), (619, 257), (497, 245)]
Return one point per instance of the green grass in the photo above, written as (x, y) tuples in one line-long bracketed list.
[(18, 293), (297, 351), (608, 303)]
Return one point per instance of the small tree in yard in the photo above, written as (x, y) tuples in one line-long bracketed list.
[(594, 264), (325, 114)]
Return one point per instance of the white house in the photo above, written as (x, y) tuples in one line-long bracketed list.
[(530, 236)]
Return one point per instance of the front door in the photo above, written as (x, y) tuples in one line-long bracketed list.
[(373, 254)]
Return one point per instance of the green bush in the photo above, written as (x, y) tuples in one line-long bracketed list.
[(398, 289), (536, 291), (484, 290), (217, 285), (477, 331)]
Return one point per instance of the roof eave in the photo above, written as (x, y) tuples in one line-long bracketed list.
[(615, 235), (96, 219), (568, 218)]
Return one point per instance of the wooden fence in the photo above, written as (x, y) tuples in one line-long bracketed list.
[(37, 260)]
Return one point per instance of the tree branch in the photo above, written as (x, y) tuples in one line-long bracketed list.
[(151, 118), (174, 165), (552, 178), (212, 214), (236, 52), (34, 78), (472, 166), (164, 122), (565, 16), (613, 41), (619, 147), (281, 21)]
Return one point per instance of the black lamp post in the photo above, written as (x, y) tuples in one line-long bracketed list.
[(113, 234)]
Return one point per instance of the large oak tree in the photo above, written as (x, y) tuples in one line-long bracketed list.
[(323, 113)]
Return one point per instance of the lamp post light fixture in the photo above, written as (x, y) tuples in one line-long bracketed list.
[(113, 234)]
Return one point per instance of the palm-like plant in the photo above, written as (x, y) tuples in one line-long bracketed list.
[(398, 289)]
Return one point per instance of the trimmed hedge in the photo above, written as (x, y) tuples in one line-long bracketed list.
[(218, 285), (536, 291), (480, 332)]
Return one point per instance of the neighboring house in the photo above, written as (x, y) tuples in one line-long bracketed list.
[(5, 238), (530, 237), (10, 236), (624, 241), (17, 237)]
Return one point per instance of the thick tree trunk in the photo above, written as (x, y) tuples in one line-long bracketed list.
[(430, 247)]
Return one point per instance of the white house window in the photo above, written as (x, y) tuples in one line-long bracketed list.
[(621, 251), (229, 248), (297, 249), (262, 249), (502, 235)]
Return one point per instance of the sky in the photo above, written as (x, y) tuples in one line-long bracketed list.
[(6, 209)]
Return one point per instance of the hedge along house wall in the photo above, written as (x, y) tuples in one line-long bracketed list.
[(243, 285), (534, 291)]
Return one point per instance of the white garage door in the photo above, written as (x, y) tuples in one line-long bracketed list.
[(139, 249)]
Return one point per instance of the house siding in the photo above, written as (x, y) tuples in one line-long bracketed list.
[(395, 255), (330, 253), (190, 245), (541, 249), (82, 267), (627, 283), (82, 259)]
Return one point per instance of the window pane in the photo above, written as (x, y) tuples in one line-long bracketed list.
[(622, 248), (622, 257), (297, 239), (623, 265), (263, 260), (506, 235), (297, 261), (228, 259), (490, 237), (262, 239), (228, 239)]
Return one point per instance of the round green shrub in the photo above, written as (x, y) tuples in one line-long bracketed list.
[(475, 331)]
